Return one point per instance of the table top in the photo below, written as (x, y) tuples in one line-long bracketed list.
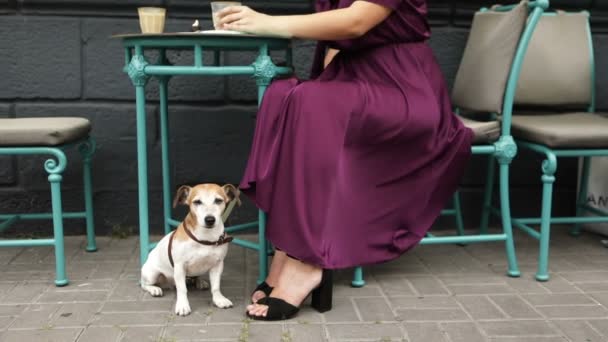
[(218, 39)]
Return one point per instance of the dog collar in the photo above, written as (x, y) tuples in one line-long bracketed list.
[(224, 239)]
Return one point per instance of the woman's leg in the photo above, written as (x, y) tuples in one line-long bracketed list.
[(276, 266), (294, 282)]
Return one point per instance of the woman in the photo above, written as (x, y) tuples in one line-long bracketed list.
[(354, 165)]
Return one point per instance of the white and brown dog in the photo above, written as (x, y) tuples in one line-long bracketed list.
[(198, 245)]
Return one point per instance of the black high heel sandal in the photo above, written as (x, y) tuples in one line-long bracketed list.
[(279, 309), (263, 287)]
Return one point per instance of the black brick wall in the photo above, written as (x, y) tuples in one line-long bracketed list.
[(56, 58)]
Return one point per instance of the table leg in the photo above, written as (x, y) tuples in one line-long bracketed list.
[(136, 70), (142, 174), (262, 247), (265, 71), (262, 242), (164, 139)]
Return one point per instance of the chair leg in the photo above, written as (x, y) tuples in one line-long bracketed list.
[(60, 274), (458, 216), (358, 277), (262, 247), (487, 197), (458, 213), (548, 178), (505, 209), (582, 194), (87, 150)]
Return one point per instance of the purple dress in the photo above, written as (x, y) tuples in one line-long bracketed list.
[(354, 166)]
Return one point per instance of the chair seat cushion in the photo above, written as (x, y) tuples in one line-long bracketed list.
[(484, 131), (569, 130), (42, 131)]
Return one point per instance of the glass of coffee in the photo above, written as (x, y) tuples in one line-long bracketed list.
[(152, 19)]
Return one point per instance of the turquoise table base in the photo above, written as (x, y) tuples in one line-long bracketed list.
[(262, 69)]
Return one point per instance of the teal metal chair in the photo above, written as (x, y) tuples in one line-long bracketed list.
[(485, 84), (49, 137), (558, 72)]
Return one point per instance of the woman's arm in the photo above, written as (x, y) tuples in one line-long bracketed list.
[(343, 23), (329, 56)]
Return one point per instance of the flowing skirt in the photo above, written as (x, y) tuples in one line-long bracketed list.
[(353, 167)]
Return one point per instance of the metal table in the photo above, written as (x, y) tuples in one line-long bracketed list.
[(262, 69)]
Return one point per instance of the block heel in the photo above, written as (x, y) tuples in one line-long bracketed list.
[(322, 296)]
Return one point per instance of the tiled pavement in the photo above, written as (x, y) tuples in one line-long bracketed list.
[(434, 293)]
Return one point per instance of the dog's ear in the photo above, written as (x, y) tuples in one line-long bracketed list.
[(181, 196), (232, 193)]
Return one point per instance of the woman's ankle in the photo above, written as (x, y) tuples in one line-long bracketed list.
[(276, 266)]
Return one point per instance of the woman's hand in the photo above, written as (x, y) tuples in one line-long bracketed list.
[(244, 19)]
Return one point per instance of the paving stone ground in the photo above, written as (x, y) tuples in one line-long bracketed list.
[(434, 293)]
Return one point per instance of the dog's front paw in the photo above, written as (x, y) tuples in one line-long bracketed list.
[(222, 302), (155, 291), (182, 308)]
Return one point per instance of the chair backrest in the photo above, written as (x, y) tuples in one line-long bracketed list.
[(558, 67), (488, 58)]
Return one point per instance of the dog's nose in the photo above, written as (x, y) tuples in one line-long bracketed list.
[(209, 221)]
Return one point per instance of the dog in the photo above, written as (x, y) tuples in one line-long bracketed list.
[(198, 245)]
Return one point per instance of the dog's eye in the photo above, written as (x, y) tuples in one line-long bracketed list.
[(219, 201), (197, 202)]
